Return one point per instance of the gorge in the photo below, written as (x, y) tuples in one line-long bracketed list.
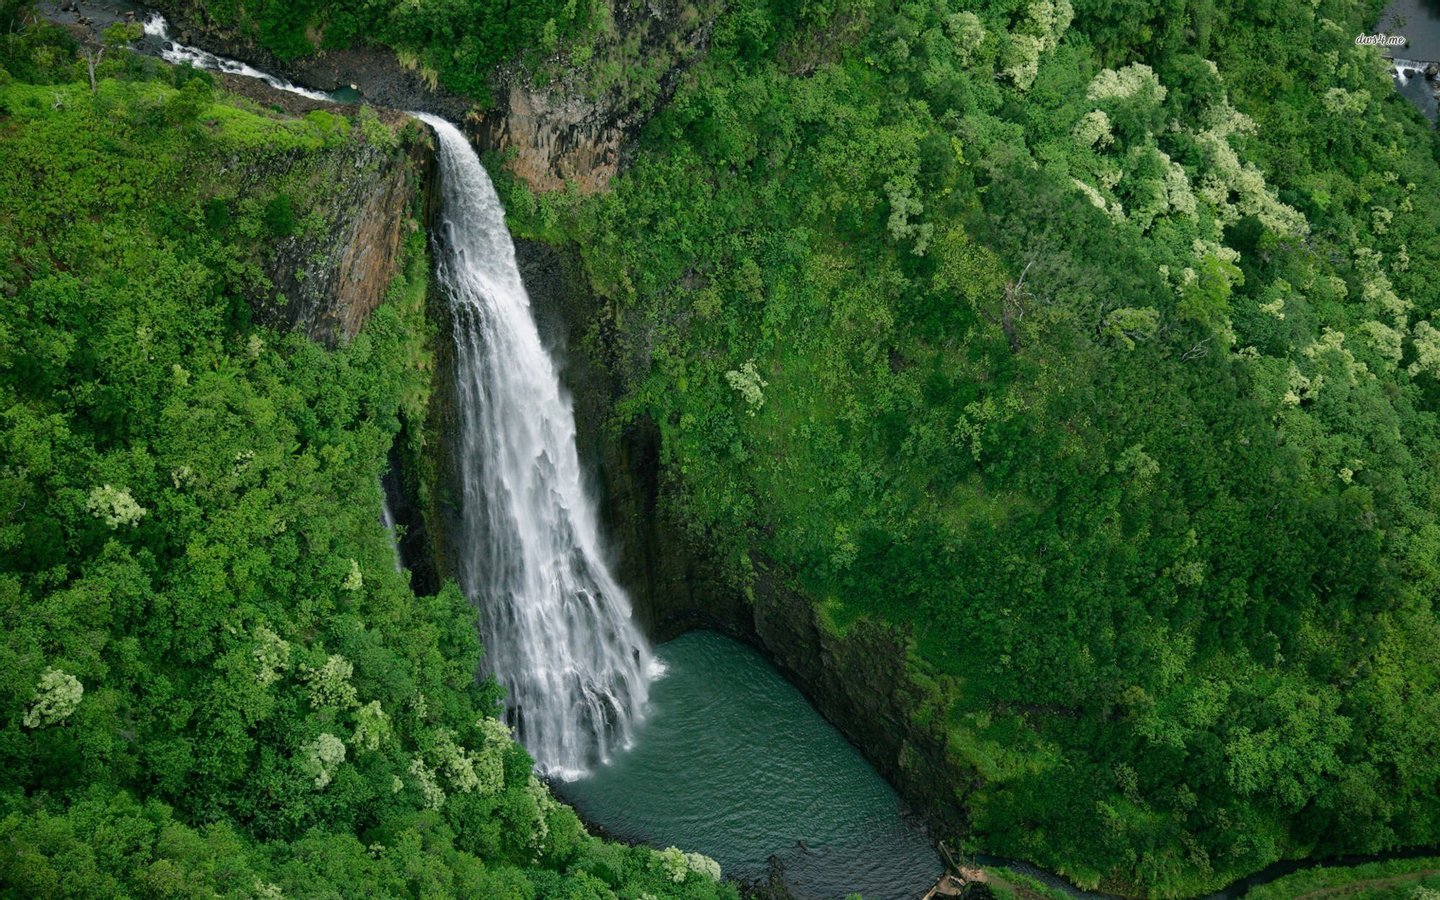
[(1012, 420), (787, 801)]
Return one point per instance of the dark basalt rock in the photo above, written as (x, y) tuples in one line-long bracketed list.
[(674, 585), (327, 282)]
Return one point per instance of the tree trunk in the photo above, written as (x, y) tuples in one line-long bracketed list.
[(92, 59)]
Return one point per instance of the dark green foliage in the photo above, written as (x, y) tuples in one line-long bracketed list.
[(1152, 487), (279, 217), (1116, 390)]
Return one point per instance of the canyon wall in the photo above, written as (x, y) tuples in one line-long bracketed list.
[(863, 679)]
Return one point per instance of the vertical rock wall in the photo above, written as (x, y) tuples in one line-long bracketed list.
[(861, 681), (328, 280)]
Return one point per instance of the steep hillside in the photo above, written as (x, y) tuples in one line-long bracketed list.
[(1090, 353), (1050, 386)]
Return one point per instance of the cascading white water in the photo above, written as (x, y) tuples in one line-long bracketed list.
[(387, 520), (156, 28), (557, 627)]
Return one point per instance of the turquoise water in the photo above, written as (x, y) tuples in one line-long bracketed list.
[(346, 95), (733, 762)]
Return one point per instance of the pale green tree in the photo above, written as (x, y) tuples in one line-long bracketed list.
[(322, 757), (56, 696), (114, 506)]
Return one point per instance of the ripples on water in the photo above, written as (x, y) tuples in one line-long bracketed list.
[(733, 762)]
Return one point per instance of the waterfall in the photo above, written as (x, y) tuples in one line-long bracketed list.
[(387, 519), (557, 627)]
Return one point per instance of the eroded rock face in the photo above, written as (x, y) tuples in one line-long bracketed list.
[(861, 682), (673, 585), (573, 128), (555, 139), (327, 280)]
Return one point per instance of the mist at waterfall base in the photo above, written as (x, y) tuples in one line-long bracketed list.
[(732, 761)]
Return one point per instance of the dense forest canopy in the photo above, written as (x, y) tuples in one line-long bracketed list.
[(1095, 347), (1091, 344)]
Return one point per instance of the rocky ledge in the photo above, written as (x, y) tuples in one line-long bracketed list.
[(571, 129)]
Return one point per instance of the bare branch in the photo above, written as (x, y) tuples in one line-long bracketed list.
[(1196, 351)]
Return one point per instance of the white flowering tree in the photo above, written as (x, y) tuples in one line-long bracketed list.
[(330, 686), (1038, 32), (703, 866), (114, 506), (372, 727), (271, 655), (321, 757), (746, 381), (57, 696)]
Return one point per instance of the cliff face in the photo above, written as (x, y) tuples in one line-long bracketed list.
[(861, 680), (350, 206), (569, 125), (574, 129), (359, 202), (328, 279), (673, 589), (550, 139)]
